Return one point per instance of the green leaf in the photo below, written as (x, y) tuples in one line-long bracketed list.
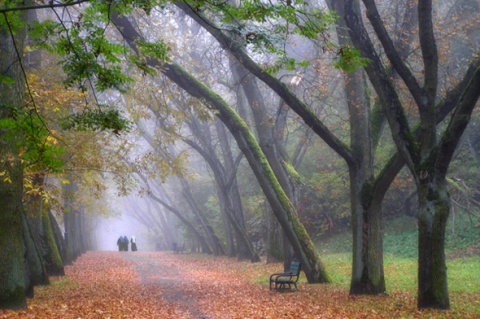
[(4, 79), (94, 120), (158, 50), (348, 59)]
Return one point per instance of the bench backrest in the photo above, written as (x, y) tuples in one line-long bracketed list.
[(295, 268)]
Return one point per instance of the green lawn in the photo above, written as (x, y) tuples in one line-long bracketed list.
[(401, 272), (400, 255)]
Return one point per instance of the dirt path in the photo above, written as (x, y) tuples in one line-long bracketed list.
[(165, 273)]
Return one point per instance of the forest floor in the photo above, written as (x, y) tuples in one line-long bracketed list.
[(166, 285)]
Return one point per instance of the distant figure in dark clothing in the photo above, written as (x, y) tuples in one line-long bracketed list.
[(122, 243), (134, 243)]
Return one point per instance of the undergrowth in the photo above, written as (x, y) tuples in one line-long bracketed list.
[(401, 237)]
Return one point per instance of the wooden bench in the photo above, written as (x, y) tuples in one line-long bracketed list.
[(178, 249), (285, 280)]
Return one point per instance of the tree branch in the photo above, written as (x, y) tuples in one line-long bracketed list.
[(429, 52), (392, 53), (51, 5), (460, 118), (276, 85), (383, 85)]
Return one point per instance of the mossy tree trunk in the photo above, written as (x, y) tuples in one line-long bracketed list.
[(57, 235), (269, 144), (38, 219), (35, 269), (12, 228), (280, 203)]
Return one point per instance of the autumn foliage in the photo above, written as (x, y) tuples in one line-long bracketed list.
[(166, 285)]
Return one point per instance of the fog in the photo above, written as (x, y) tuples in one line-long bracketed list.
[(107, 230)]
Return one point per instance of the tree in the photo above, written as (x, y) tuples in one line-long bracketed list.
[(427, 156), (368, 189), (12, 245), (281, 205), (367, 270)]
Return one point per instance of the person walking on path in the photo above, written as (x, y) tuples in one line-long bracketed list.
[(122, 243), (134, 243)]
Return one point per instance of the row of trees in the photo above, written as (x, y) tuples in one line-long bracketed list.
[(255, 83)]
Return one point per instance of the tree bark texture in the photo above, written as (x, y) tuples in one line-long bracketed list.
[(38, 219), (12, 246), (432, 268), (35, 270)]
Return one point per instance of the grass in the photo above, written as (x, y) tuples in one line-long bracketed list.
[(400, 266), (400, 255), (400, 237)]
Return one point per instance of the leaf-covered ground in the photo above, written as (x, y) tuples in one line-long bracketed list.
[(166, 285)]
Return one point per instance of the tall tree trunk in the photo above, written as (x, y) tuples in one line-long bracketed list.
[(57, 234), (230, 168), (35, 270), (217, 248), (434, 207), (71, 223), (282, 207), (38, 219), (367, 267), (12, 245)]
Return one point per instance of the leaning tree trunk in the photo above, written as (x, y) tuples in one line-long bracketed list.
[(270, 145), (38, 219), (57, 235), (35, 270), (282, 207), (217, 249), (244, 250), (228, 204)]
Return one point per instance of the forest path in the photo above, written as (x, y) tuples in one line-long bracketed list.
[(164, 285), (163, 270)]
